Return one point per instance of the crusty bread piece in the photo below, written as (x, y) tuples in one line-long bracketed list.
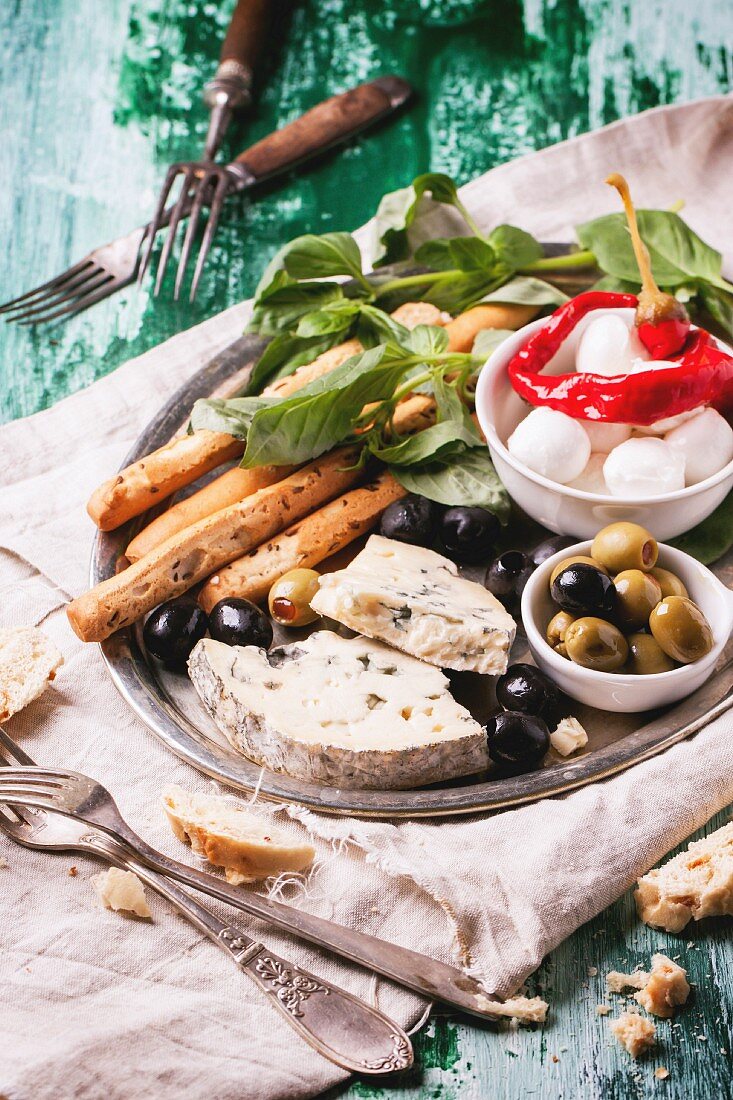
[(695, 884), (616, 982), (634, 1032), (28, 660), (121, 890), (233, 837), (666, 988)]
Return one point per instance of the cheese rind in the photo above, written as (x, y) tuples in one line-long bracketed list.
[(348, 712), (414, 599)]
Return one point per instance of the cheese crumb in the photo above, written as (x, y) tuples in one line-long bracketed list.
[(121, 890), (568, 737), (635, 1033), (696, 883), (666, 988), (661, 1073), (616, 982)]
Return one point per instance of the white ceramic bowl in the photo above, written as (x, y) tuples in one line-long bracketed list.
[(612, 690), (573, 511)]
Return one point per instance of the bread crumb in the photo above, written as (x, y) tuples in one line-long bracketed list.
[(528, 1009), (616, 982), (666, 989), (696, 883), (28, 661), (73, 872), (661, 1073), (592, 971), (568, 737), (602, 1010), (635, 1033), (121, 891)]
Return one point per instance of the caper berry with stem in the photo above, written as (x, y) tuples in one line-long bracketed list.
[(597, 644), (625, 545), (290, 598)]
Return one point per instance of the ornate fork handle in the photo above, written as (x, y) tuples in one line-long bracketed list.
[(338, 1025)]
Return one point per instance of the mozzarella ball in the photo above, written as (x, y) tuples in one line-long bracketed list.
[(592, 480), (552, 444), (644, 467), (706, 443), (608, 346), (604, 437), (661, 427)]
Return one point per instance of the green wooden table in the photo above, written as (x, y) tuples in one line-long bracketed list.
[(97, 98)]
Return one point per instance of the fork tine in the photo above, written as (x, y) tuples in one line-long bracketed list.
[(157, 220), (204, 184), (83, 283), (175, 221), (69, 273), (16, 754), (217, 203), (106, 287)]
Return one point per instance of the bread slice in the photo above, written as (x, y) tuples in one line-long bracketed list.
[(28, 660), (695, 884), (122, 891), (233, 837)]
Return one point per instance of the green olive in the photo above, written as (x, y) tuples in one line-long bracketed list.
[(625, 546), (583, 558), (637, 594), (670, 584), (557, 628), (681, 629), (594, 643), (290, 598), (646, 656)]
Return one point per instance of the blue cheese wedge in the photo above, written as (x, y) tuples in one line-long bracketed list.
[(347, 712), (415, 600)]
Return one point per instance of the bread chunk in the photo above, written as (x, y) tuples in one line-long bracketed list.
[(696, 883), (28, 661), (666, 988), (634, 1032), (233, 837), (616, 982), (528, 1010), (122, 891)]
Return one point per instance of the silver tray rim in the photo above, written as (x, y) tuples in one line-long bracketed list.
[(135, 680)]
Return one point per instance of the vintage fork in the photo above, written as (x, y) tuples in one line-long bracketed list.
[(76, 796), (338, 1025)]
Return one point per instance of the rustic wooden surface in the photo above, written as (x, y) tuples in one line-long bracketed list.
[(98, 98)]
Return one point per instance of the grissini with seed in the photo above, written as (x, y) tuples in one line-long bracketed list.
[(179, 463), (158, 475), (194, 553), (305, 544), (228, 488)]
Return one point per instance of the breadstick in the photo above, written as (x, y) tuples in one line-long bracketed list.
[(188, 557), (410, 314), (305, 544), (463, 329), (228, 488), (165, 471)]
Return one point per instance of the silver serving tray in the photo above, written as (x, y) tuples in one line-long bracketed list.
[(167, 703)]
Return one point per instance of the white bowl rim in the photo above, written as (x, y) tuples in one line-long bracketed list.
[(491, 366), (591, 675)]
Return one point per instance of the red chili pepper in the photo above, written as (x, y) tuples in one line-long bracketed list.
[(663, 339), (704, 375)]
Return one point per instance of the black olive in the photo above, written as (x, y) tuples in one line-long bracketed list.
[(551, 546), (173, 629), (517, 740), (413, 519), (582, 587), (240, 622), (507, 575), (524, 688), (469, 534)]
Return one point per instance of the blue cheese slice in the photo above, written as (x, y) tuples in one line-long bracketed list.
[(347, 712), (415, 600)]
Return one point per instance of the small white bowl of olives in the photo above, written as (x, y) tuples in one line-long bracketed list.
[(625, 624)]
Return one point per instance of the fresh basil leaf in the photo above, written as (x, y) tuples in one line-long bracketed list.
[(460, 253), (488, 340), (617, 286), (513, 247), (719, 305), (677, 254), (322, 414), (436, 254), (333, 318), (397, 212), (233, 417), (284, 354), (466, 479), (441, 187), (450, 408), (527, 291), (712, 538), (427, 340), (377, 327), (437, 441), (284, 302), (319, 257)]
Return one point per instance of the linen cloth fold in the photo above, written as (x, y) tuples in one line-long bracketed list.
[(95, 1004)]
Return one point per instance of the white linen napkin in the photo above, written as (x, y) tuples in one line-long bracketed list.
[(94, 1004)]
